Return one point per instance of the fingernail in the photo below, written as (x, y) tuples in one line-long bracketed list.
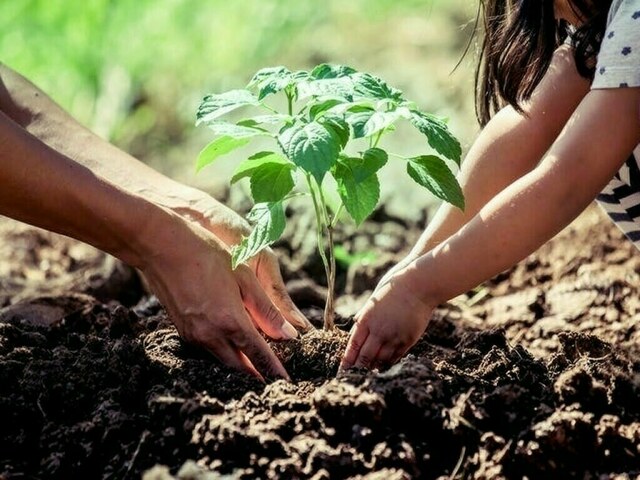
[(304, 321), (289, 331)]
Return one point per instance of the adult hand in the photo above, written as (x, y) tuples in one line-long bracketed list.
[(220, 309), (391, 321), (229, 227)]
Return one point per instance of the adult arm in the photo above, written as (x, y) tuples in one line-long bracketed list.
[(92, 191)]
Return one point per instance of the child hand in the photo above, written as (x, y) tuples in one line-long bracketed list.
[(391, 322)]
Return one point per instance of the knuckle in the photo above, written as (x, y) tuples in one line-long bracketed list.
[(201, 335), (381, 338), (354, 344), (365, 360), (243, 339), (226, 324), (267, 257), (281, 292), (230, 330), (272, 315)]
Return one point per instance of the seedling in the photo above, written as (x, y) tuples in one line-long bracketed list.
[(332, 124)]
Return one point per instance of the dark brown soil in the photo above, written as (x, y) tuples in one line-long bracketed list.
[(536, 375)]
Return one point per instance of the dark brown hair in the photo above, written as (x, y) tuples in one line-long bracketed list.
[(520, 37)]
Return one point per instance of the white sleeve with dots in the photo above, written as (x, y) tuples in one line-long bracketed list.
[(619, 57)]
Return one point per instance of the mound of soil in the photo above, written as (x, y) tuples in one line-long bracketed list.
[(536, 374)]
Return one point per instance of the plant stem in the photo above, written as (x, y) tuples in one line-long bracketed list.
[(337, 215), (320, 211), (289, 103), (331, 277), (272, 110), (375, 144)]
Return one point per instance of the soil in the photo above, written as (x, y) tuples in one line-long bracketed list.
[(535, 374)]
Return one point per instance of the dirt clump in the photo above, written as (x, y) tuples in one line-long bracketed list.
[(536, 374)]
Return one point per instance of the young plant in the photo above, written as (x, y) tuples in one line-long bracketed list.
[(332, 124)]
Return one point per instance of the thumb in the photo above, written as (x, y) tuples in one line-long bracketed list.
[(269, 276), (263, 312), (357, 337)]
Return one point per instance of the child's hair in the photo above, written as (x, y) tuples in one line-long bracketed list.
[(520, 37)]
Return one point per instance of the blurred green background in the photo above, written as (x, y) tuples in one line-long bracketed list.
[(135, 70)]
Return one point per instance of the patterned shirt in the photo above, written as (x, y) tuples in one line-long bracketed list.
[(619, 67)]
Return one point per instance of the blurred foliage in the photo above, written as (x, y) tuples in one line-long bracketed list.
[(134, 70)]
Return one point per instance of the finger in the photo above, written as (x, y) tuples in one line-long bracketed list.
[(251, 344), (270, 278), (262, 311), (401, 352), (386, 357), (358, 335), (234, 358), (369, 352)]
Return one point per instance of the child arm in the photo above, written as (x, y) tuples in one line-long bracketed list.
[(508, 147), (598, 138)]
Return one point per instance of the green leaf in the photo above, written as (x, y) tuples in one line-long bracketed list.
[(323, 105), (312, 146), (374, 159), (370, 86), (359, 198), (273, 86), (358, 118), (273, 119), (269, 73), (361, 168), (270, 175), (357, 106), (432, 173), (367, 122), (358, 184), (338, 126), (274, 79), (214, 106), (269, 222), (341, 87), (270, 80), (438, 135), (236, 131), (220, 146), (327, 70)]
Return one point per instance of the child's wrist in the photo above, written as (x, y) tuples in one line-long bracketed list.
[(420, 286)]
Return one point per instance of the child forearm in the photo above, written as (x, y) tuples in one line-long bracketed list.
[(495, 161), (510, 145), (532, 210)]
